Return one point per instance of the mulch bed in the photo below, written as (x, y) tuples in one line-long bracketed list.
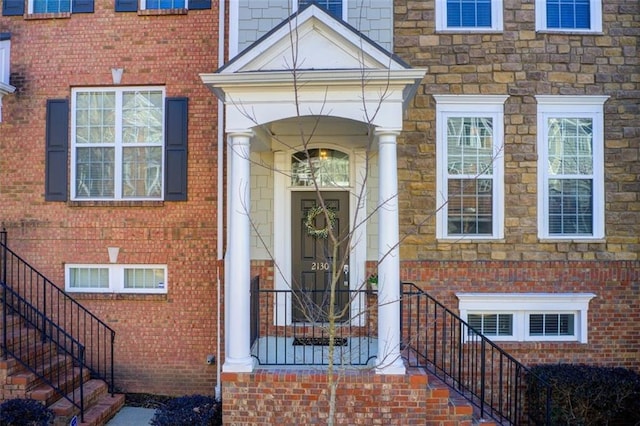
[(146, 400)]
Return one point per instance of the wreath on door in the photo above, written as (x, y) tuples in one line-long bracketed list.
[(309, 222)]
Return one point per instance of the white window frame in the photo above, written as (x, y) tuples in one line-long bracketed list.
[(116, 278), (563, 106), (522, 305), (31, 5), (143, 6), (595, 12), (118, 146), (496, 19), (345, 8), (470, 106)]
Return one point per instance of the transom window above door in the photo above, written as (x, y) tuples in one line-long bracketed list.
[(329, 167)]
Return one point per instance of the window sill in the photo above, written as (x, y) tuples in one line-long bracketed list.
[(555, 240), (569, 31), (141, 203), (161, 12), (470, 240), (470, 31), (120, 296), (36, 16)]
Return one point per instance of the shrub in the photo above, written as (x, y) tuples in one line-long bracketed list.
[(589, 395), (194, 410), (24, 412)]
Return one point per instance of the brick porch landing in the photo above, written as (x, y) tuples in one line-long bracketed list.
[(288, 396)]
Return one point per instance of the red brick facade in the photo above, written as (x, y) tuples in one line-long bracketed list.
[(162, 341)]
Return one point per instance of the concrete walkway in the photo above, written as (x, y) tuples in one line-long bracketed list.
[(132, 416)]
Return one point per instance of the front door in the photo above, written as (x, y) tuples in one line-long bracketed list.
[(314, 257)]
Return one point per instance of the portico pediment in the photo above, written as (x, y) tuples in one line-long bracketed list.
[(312, 40), (314, 64)]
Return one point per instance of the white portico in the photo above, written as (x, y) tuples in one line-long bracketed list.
[(312, 70)]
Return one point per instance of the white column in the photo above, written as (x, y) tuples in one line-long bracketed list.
[(389, 360), (237, 311)]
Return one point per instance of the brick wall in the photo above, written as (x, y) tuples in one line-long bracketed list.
[(161, 341), (362, 398), (614, 329)]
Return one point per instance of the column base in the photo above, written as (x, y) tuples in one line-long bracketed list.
[(396, 367), (243, 365)]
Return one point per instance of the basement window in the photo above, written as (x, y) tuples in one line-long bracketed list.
[(113, 278), (526, 317)]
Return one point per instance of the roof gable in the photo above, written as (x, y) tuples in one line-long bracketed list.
[(320, 41)]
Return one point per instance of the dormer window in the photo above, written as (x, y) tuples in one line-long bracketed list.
[(5, 62)]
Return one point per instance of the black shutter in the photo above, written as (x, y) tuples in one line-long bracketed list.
[(126, 5), (199, 4), (13, 7), (57, 145), (175, 149), (82, 6)]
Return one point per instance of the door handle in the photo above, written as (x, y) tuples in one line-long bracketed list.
[(345, 269)]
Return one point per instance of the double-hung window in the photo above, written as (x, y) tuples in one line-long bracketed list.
[(569, 15), (470, 161), (332, 6), (469, 15), (570, 167), (115, 278), (164, 4), (117, 143)]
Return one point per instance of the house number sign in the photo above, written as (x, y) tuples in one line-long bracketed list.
[(319, 266)]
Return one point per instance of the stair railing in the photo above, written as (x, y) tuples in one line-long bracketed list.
[(500, 387), (56, 316)]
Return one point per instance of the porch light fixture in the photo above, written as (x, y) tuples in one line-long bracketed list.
[(113, 254), (116, 74)]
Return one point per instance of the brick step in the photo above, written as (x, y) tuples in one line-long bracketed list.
[(34, 354), (48, 395), (13, 321), (99, 405), (56, 366), (446, 406)]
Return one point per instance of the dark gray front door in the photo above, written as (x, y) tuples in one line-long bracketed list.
[(313, 256)]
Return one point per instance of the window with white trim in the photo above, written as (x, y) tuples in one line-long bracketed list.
[(115, 278), (163, 4), (469, 15), (569, 15), (332, 6), (470, 161), (49, 6), (117, 143), (570, 167), (526, 317)]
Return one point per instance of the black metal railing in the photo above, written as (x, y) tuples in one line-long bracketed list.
[(56, 326), (497, 384), (277, 339)]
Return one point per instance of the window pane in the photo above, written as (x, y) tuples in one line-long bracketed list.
[(470, 207), (468, 13), (570, 142), (551, 325), (470, 145), (51, 6), (94, 172), (145, 278), (95, 117), (165, 4), (142, 172), (333, 6), (505, 324), (142, 117), (89, 278), (570, 206), (536, 325), (330, 168), (570, 14)]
